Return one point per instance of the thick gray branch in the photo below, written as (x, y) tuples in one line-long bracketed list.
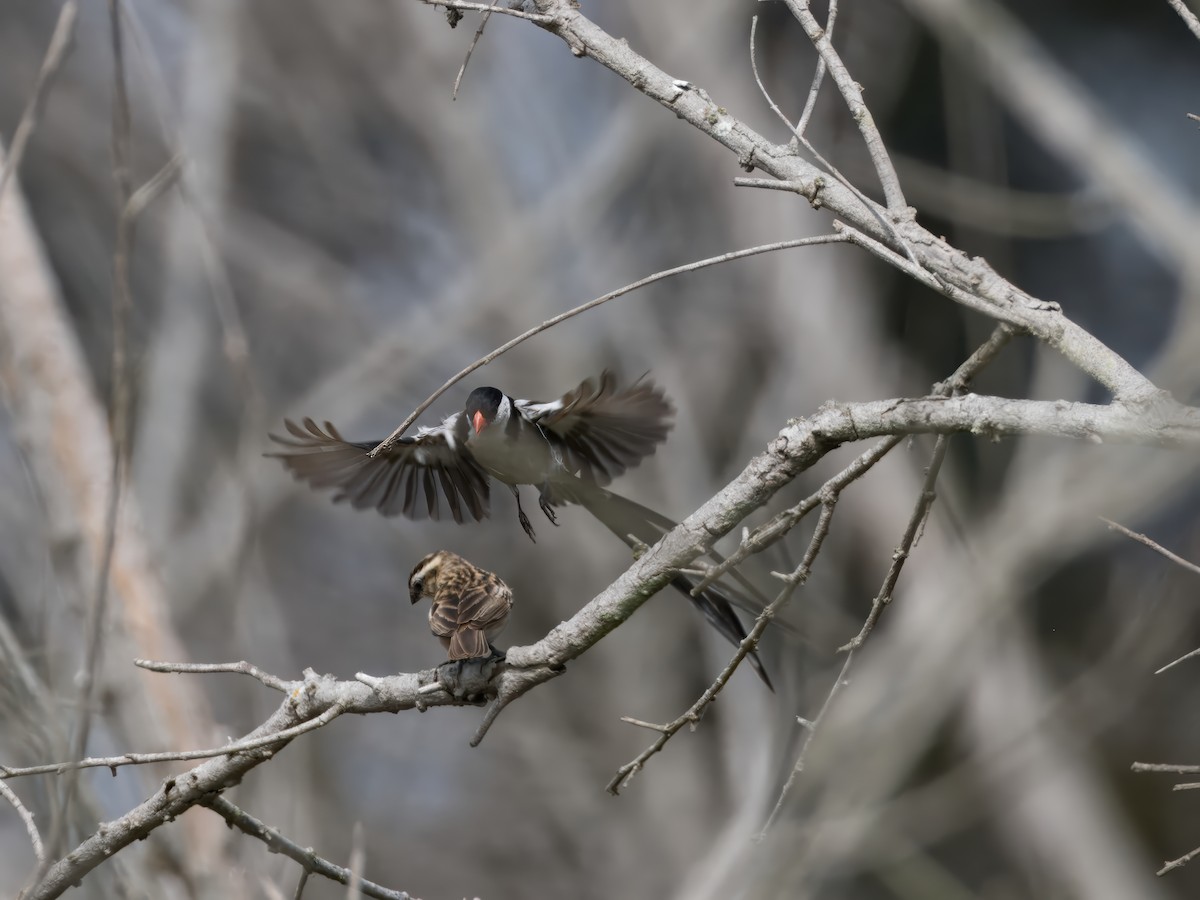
[(798, 446), (1003, 300)]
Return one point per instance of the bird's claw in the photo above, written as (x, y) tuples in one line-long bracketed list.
[(526, 524), (466, 680), (545, 507)]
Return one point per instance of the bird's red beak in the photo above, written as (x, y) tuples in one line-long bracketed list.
[(478, 421)]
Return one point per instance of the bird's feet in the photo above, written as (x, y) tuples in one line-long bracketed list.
[(521, 517), (467, 680), (526, 524), (545, 506)]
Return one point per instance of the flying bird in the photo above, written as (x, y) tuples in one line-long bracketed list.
[(568, 448), (470, 605)]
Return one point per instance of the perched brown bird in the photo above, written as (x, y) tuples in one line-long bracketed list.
[(470, 606)]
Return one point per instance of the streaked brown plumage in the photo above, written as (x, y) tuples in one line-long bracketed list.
[(470, 605)]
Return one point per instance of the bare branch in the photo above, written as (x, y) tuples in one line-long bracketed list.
[(1189, 655), (747, 646), (1181, 861), (852, 94), (819, 75), (878, 604), (1158, 548), (241, 668), (810, 728), (60, 44), (869, 204), (308, 860), (771, 531), (27, 817), (1189, 17), (800, 445), (122, 310), (486, 8), (141, 759), (907, 541), (391, 439), (462, 70), (358, 859), (1165, 767), (956, 275)]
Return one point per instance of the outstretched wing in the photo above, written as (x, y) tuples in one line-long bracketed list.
[(601, 429), (407, 480)]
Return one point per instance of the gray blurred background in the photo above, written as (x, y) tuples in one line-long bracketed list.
[(346, 237)]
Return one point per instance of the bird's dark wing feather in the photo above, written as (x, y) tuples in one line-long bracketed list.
[(408, 479), (601, 429)]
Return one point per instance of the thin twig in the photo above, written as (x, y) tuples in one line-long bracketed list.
[(920, 512), (240, 668), (60, 43), (1158, 548), (152, 189), (485, 8), (956, 273), (122, 304), (391, 439), (1173, 768), (308, 860), (483, 20), (649, 726), (810, 730), (303, 880), (877, 606), (358, 860), (1176, 662), (748, 644), (770, 532), (956, 383), (819, 75), (852, 94), (901, 554), (141, 759), (1181, 861), (870, 205), (27, 817), (929, 279)]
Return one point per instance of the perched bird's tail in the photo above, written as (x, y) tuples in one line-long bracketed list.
[(468, 642), (632, 522)]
